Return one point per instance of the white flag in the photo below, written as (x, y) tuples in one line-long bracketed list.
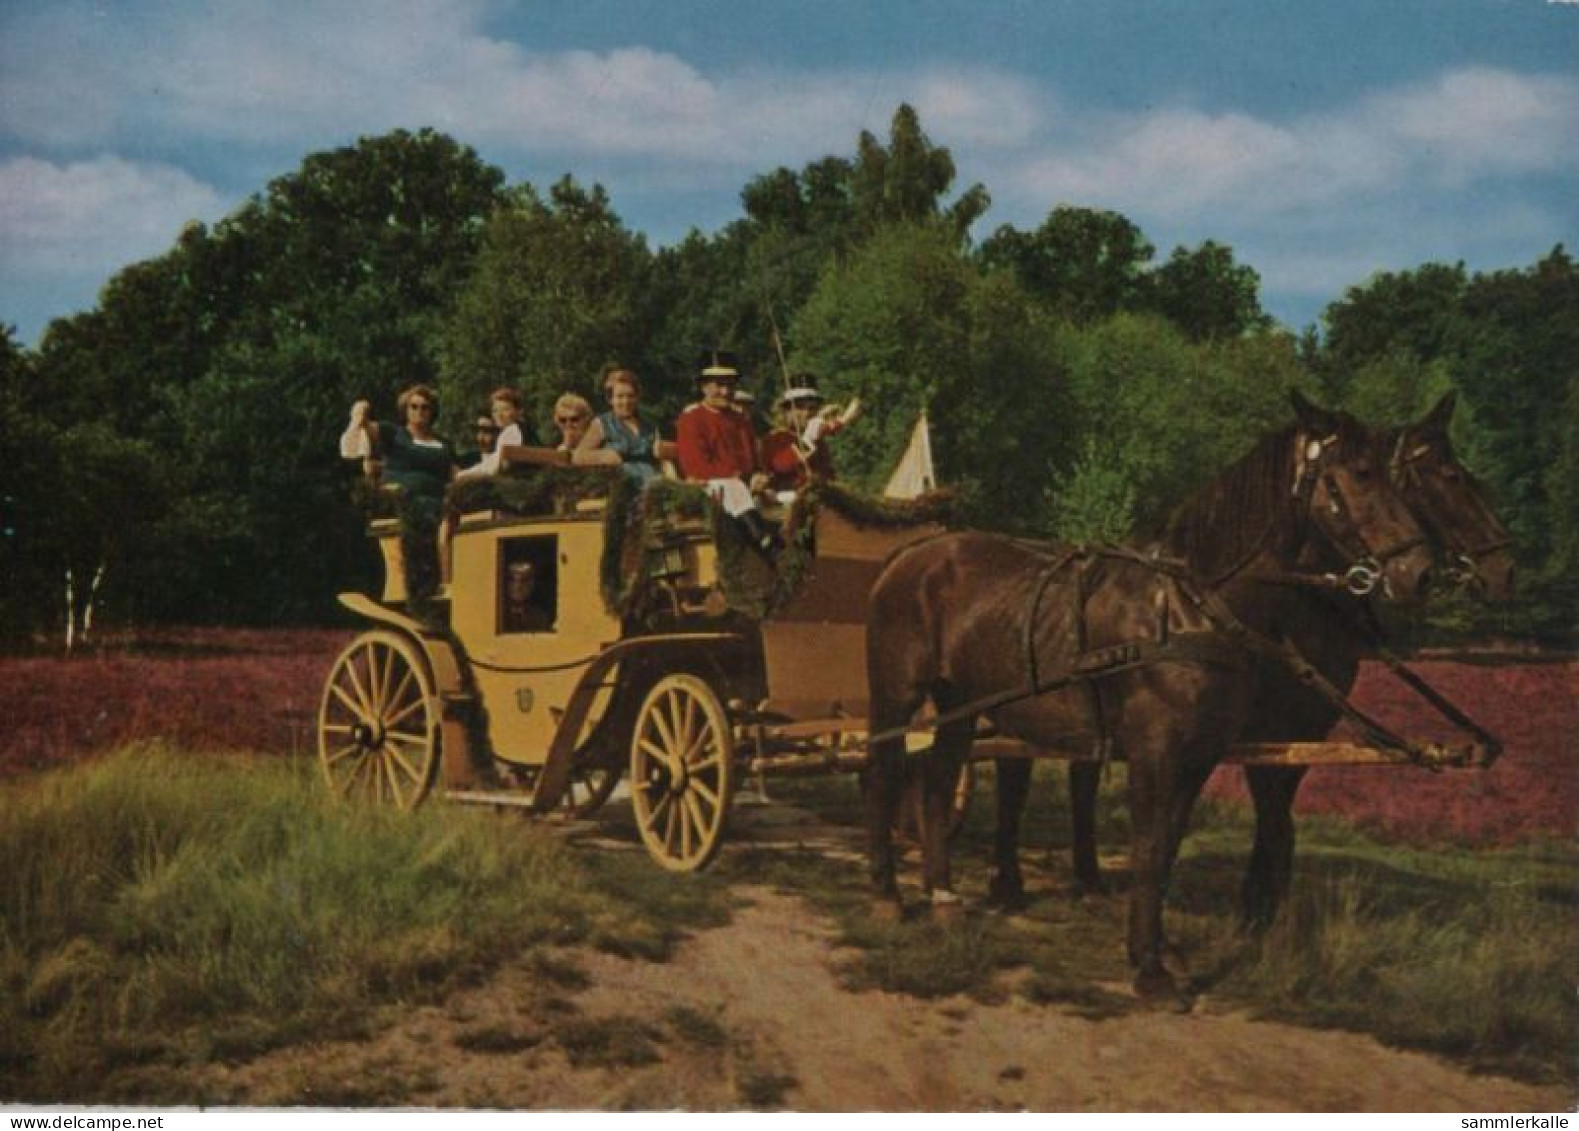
[(914, 474)]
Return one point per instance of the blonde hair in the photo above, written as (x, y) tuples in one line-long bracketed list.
[(570, 402)]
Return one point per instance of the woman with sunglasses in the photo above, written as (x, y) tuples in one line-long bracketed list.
[(620, 437), (415, 457), (572, 415), (417, 460)]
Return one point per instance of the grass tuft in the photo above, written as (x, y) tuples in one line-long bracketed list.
[(160, 907), (608, 1042)]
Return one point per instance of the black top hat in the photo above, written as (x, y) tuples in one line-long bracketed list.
[(803, 387), (718, 364)]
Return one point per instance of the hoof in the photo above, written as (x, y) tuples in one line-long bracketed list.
[(1090, 886), (1006, 895), (947, 907), (1155, 985), (1158, 989), (888, 910)]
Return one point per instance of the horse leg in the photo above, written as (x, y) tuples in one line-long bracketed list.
[(1162, 796), (882, 782), (1150, 794), (1271, 869), (939, 774), (1014, 786), (1085, 778)]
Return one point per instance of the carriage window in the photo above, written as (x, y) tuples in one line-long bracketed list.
[(528, 584)]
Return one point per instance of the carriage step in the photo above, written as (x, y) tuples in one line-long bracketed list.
[(488, 797), (815, 762)]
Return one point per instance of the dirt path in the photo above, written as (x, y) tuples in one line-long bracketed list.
[(753, 1014)]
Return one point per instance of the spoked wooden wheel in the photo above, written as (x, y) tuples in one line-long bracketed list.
[(682, 772), (378, 725)]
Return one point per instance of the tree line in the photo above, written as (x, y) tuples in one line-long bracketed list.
[(171, 451)]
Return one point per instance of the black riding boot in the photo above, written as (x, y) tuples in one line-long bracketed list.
[(763, 535)]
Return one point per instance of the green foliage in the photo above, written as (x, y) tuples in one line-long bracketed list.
[(232, 360), (1508, 343), (1094, 501), (203, 394), (908, 324), (1206, 294), (1086, 264), (904, 182), (1158, 415), (556, 293)]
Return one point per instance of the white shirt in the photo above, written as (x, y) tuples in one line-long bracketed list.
[(489, 465)]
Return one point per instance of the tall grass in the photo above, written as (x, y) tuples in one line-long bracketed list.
[(160, 907)]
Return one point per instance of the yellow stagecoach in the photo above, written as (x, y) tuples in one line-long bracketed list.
[(594, 629)]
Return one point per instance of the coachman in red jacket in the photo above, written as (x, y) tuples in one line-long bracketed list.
[(718, 446)]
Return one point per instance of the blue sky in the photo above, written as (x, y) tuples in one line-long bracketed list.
[(1323, 140)]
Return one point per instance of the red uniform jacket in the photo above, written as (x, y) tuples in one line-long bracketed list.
[(788, 465), (716, 444)]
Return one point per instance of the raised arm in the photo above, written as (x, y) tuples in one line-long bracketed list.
[(360, 438)]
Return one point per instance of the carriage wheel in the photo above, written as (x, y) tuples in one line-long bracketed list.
[(682, 772), (378, 725), (907, 822)]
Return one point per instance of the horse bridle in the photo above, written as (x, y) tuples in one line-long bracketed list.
[(1369, 566), (1463, 566)]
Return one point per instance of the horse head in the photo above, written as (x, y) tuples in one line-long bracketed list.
[(1343, 492), (1476, 548)]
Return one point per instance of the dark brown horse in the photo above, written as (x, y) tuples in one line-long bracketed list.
[(982, 625), (1331, 631), (1476, 551)]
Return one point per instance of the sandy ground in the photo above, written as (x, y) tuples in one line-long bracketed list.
[(753, 1015)]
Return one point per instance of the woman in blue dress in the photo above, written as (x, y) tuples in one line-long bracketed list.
[(622, 434)]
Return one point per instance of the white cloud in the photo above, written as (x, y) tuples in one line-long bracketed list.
[(1464, 126), (283, 73), (94, 215), (1307, 199)]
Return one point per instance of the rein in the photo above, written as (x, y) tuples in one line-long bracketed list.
[(1224, 645)]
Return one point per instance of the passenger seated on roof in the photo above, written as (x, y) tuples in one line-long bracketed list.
[(718, 447), (620, 437), (572, 416), (414, 457), (796, 451), (486, 434), (504, 405)]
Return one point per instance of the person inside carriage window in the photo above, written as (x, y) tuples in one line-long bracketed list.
[(620, 436), (504, 406), (523, 610), (718, 447), (796, 451)]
